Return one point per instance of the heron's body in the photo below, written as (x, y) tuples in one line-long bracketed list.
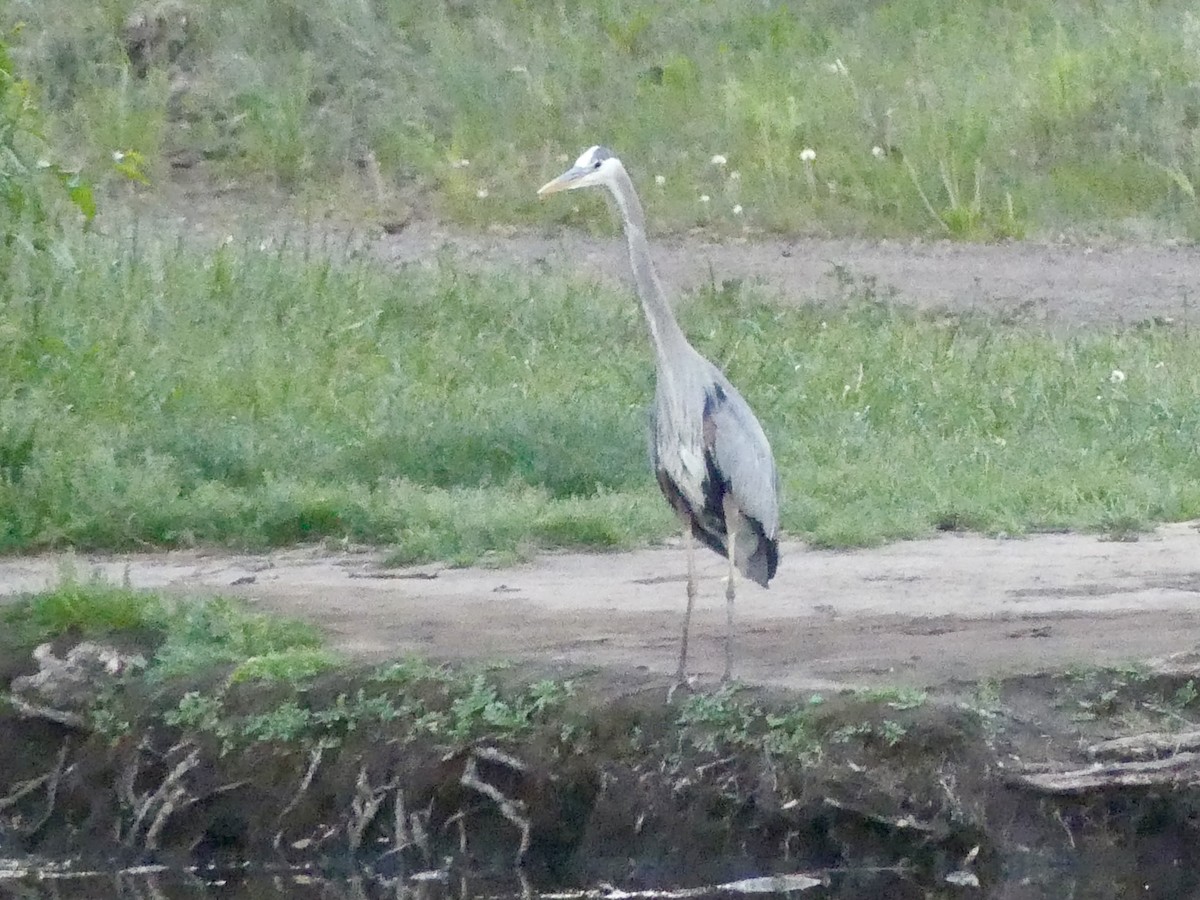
[(710, 455)]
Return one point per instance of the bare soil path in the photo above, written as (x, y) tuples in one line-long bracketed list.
[(925, 613)]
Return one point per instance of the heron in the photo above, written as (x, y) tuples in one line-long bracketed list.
[(710, 455)]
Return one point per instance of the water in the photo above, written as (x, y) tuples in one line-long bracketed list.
[(1054, 884)]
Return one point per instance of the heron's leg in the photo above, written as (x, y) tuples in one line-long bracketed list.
[(732, 516), (689, 542)]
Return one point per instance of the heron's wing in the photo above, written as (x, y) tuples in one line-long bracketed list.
[(742, 456)]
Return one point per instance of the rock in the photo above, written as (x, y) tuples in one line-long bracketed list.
[(63, 690)]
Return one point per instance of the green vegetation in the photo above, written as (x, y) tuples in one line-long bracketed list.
[(732, 718), (188, 637), (990, 120), (153, 394), (263, 677)]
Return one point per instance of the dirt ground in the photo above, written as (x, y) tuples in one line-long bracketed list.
[(923, 613), (955, 607), (1071, 280)]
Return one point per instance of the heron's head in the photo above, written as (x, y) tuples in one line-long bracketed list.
[(595, 167)]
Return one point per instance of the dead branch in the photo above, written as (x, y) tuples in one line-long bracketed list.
[(510, 809), (1150, 745), (1181, 768)]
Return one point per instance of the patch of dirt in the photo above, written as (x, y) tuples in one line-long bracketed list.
[(1097, 282), (921, 613)]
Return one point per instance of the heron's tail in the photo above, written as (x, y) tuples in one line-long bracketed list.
[(760, 558)]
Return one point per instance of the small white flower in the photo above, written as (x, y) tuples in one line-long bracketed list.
[(1116, 377), (43, 163), (460, 164), (831, 68), (735, 175), (482, 193), (737, 210), (117, 156), (704, 198), (660, 180), (719, 160), (878, 152), (808, 154)]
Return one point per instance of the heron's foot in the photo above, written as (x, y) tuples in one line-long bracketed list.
[(682, 682)]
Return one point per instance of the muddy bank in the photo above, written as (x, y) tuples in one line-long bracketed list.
[(584, 777)]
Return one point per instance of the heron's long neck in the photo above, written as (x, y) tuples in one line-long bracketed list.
[(664, 329)]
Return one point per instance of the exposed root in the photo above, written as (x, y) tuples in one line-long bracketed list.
[(314, 761), (364, 807), (903, 823), (1150, 745), (1182, 768), (168, 798), (22, 789), (408, 829), (61, 716), (513, 810), (50, 780), (52, 788)]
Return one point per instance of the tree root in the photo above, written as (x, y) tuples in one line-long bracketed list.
[(1182, 768), (1151, 745), (314, 761), (165, 801), (511, 809), (51, 780), (364, 807), (61, 716)]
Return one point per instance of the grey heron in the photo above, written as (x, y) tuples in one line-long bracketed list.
[(710, 455)]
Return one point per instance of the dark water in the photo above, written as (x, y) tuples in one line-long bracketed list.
[(889, 884)]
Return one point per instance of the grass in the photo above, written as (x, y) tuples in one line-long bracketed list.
[(152, 394), (261, 675), (991, 120), (187, 637)]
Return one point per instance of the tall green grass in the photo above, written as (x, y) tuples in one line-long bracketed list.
[(990, 119), (156, 394)]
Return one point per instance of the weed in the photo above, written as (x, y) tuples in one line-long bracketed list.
[(1185, 695), (293, 664), (253, 397), (898, 698), (196, 711), (1079, 114)]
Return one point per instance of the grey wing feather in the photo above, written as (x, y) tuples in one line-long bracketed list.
[(743, 456)]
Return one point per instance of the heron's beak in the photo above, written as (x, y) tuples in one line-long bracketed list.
[(563, 182)]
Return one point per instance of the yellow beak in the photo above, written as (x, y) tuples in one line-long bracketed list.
[(563, 182)]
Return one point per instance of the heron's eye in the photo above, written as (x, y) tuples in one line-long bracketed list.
[(596, 164)]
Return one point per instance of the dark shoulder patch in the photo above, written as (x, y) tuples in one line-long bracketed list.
[(714, 396)]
